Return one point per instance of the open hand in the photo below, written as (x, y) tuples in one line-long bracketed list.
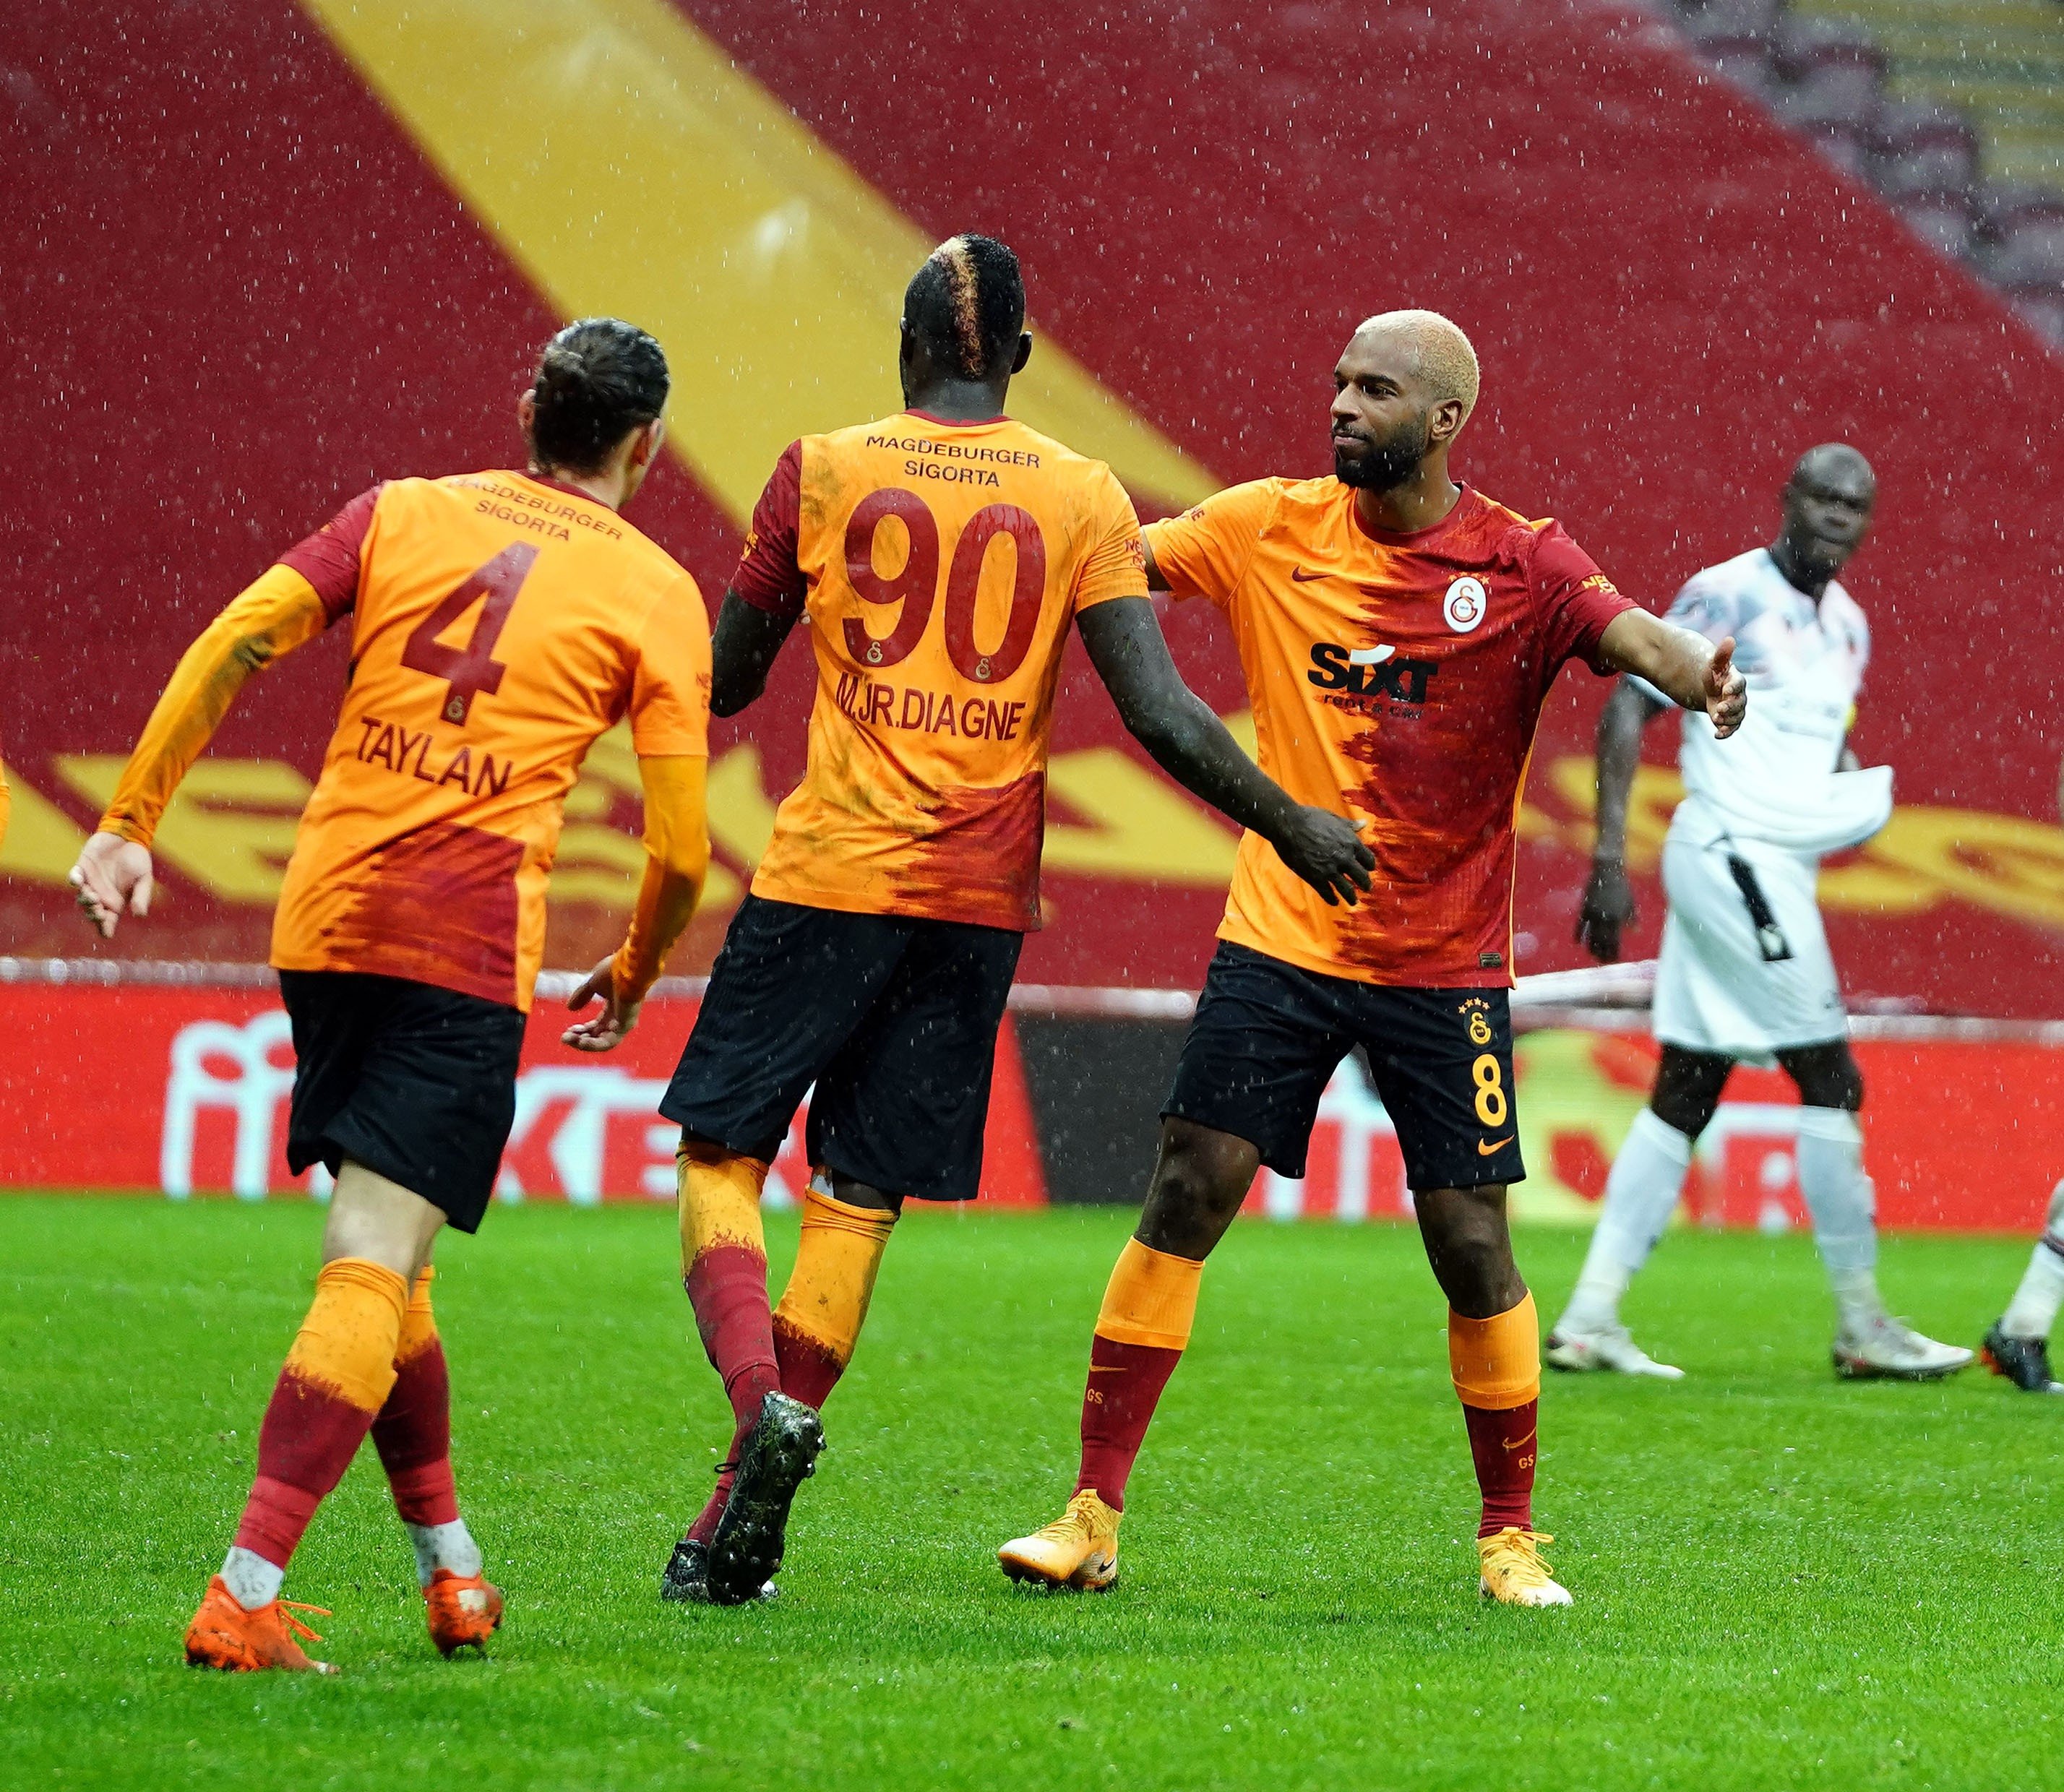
[(603, 1032), (1608, 907), (112, 874), (1727, 691), (1326, 851)]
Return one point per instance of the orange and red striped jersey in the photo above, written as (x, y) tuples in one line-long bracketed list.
[(500, 622), (940, 565), (1402, 675)]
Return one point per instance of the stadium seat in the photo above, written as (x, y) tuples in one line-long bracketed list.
[(1740, 18), (1919, 148), (1743, 59)]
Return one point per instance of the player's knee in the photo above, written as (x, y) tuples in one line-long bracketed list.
[(1827, 1077), (1189, 1182), (1688, 1089)]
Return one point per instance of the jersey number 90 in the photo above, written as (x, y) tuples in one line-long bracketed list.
[(916, 587)]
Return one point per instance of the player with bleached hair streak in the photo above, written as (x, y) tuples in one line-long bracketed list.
[(942, 556), (1399, 632), (500, 622), (1745, 971)]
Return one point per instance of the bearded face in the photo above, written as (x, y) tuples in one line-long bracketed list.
[(1379, 464)]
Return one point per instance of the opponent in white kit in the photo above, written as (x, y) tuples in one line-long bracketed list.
[(1745, 971)]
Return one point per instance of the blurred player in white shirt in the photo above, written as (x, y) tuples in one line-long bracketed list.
[(1745, 973), (2017, 1346)]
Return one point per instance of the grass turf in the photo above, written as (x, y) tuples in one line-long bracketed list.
[(1781, 1580)]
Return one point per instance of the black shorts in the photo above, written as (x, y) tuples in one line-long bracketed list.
[(417, 1084), (892, 1018), (1267, 1036)]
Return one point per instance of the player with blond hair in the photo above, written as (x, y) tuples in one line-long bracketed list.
[(500, 621), (1399, 632)]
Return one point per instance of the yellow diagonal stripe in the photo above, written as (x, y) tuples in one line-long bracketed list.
[(629, 169)]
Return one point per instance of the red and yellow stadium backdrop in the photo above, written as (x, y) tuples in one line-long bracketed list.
[(257, 257)]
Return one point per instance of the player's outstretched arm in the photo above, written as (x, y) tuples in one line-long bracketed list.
[(676, 866), (1686, 668), (748, 639), (1608, 904), (269, 618), (1191, 744)]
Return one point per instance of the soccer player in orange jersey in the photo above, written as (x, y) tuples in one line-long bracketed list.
[(1398, 631), (942, 555), (500, 621)]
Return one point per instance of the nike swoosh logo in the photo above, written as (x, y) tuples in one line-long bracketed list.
[(1299, 576), (1521, 1445), (1485, 1147)]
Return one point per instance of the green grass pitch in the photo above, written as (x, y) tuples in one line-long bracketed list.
[(1781, 1581)]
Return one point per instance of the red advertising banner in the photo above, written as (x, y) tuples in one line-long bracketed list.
[(184, 1089)]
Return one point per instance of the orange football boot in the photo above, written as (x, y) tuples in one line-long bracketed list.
[(224, 1635), (462, 1609)]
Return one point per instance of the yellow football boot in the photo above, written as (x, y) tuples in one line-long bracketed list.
[(1513, 1573), (1079, 1549)]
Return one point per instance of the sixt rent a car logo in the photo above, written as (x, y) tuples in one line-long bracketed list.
[(1370, 672)]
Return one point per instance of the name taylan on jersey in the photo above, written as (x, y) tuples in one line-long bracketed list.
[(408, 755), (955, 463)]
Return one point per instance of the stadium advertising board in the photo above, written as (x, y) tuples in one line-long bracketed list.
[(199, 1107)]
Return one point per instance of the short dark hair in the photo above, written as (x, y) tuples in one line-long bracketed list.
[(598, 379), (967, 304)]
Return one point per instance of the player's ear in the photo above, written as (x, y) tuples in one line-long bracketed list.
[(1024, 353), (654, 434), (527, 415), (1446, 421)]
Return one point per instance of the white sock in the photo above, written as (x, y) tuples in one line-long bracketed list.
[(1844, 1205), (449, 1546), (251, 1580), (2033, 1309), (1641, 1194)]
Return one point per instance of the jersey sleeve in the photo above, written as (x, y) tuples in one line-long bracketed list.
[(1205, 552), (1114, 564), (769, 575), (670, 686), (329, 559), (1574, 601)]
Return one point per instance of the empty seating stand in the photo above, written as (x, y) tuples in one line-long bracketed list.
[(1875, 86)]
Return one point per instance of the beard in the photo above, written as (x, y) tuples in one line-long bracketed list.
[(1379, 466)]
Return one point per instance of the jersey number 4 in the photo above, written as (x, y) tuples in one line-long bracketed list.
[(916, 587), (471, 670)]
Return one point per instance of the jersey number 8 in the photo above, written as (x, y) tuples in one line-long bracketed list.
[(1491, 1108), (916, 586)]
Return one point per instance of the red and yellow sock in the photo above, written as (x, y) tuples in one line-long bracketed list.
[(413, 1432), (1496, 1364), (723, 1266), (825, 1305), (1149, 1306), (338, 1376)]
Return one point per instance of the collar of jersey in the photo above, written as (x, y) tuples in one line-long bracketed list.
[(1468, 501), (956, 422), (559, 485)]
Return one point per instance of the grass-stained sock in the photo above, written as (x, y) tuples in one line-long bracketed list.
[(723, 1267), (1496, 1364), (1149, 1307), (336, 1378), (825, 1305), (412, 1434)]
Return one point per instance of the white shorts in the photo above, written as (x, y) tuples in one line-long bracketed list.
[(1725, 983)]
